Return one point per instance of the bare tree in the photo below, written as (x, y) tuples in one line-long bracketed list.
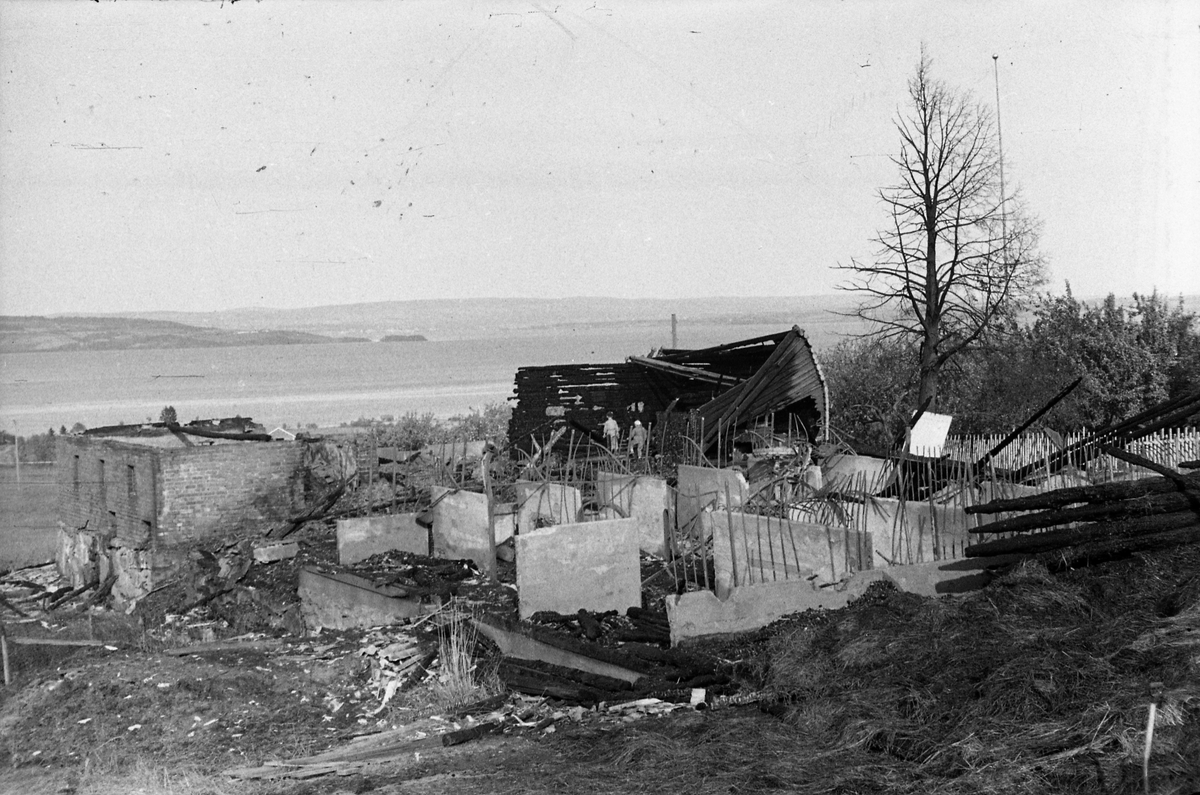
[(957, 254)]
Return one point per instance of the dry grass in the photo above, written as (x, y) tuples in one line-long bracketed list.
[(460, 676)]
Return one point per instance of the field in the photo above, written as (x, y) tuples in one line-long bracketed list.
[(27, 515)]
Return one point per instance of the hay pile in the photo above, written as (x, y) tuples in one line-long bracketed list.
[(1040, 683)]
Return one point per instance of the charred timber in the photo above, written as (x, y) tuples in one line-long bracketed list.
[(1034, 543), (1104, 493), (1116, 548), (1142, 506)]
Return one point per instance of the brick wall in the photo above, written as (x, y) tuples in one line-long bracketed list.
[(107, 486), (218, 489), (141, 496)]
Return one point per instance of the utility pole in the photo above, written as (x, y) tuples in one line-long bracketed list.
[(674, 342), (17, 451), (1000, 141)]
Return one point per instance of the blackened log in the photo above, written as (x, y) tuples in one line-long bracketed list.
[(1181, 482), (1102, 493), (175, 427), (643, 635), (1142, 506), (990, 454), (466, 735), (589, 624), (1159, 416), (1034, 543), (1116, 548), (606, 684)]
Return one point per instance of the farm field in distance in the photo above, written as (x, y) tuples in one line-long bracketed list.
[(27, 515)]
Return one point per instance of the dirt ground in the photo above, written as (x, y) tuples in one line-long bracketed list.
[(1039, 683)]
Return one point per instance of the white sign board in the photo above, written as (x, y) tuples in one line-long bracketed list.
[(928, 436)]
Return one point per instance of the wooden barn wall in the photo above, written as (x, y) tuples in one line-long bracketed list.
[(545, 397)]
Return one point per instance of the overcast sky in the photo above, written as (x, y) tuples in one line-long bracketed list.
[(207, 155)]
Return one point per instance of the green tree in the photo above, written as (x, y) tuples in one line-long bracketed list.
[(957, 255)]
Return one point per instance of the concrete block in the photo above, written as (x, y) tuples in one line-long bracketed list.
[(704, 487), (701, 614), (460, 527), (343, 602), (553, 503), (269, 552), (750, 549), (643, 498), (592, 566), (855, 472), (504, 521), (362, 537)]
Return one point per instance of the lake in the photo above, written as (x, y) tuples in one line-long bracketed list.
[(299, 384)]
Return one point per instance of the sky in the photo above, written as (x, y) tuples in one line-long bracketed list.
[(198, 156)]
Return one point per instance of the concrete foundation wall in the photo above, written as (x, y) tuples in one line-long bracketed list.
[(341, 602), (750, 549), (362, 537), (703, 487), (592, 566), (909, 533), (702, 614), (461, 529), (643, 498), (553, 503)]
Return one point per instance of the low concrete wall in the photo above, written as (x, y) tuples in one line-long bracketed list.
[(750, 549), (701, 614), (554, 503), (643, 498), (343, 601), (461, 529), (362, 537), (704, 487), (909, 533), (592, 566)]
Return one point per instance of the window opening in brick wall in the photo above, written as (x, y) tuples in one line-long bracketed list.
[(131, 483), (75, 473), (102, 487)]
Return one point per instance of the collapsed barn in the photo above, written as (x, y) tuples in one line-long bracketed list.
[(772, 382)]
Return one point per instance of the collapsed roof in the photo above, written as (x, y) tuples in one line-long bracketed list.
[(726, 387)]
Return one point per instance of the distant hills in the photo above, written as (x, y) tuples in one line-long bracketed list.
[(824, 319), (34, 334), (474, 318)]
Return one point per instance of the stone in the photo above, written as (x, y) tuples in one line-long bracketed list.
[(269, 552), (360, 538), (592, 566)]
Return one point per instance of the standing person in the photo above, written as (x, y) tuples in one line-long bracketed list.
[(637, 440), (612, 432)]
